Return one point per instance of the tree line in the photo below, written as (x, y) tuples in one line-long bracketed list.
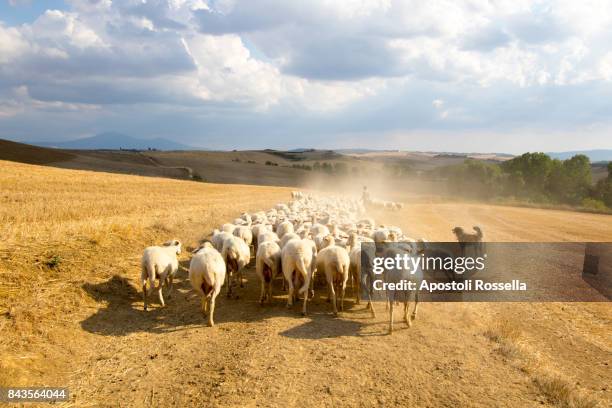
[(533, 177)]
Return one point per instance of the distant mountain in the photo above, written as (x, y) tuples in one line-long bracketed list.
[(359, 151), (593, 155), (302, 150), (115, 141)]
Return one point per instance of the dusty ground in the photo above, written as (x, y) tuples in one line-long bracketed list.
[(71, 313)]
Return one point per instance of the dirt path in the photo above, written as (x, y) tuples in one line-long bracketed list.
[(155, 162), (271, 356)]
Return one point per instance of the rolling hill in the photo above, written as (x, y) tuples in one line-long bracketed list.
[(594, 155), (70, 270), (116, 141)]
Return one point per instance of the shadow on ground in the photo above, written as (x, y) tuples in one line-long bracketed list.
[(123, 314)]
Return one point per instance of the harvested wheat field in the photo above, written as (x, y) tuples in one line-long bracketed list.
[(71, 310)]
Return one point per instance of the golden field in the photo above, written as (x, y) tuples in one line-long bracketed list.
[(71, 310)]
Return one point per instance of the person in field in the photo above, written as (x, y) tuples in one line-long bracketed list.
[(365, 196)]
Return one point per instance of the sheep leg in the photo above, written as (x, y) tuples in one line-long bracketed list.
[(169, 285), (311, 286), (240, 278), (416, 304), (229, 285), (305, 290), (270, 291), (304, 310), (262, 295), (144, 294), (290, 295), (357, 290), (204, 305), (342, 290), (406, 300), (390, 303), (371, 307), (333, 298), (211, 305), (161, 295)]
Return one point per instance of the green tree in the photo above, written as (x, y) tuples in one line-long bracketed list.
[(534, 168), (514, 183), (603, 188), (570, 180)]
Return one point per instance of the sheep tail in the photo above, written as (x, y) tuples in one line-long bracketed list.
[(208, 284), (230, 256), (151, 270), (301, 267), (267, 273)]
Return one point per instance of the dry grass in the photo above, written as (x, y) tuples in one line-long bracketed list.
[(61, 228), (556, 387), (507, 335), (71, 312), (562, 392)]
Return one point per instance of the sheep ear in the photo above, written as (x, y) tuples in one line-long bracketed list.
[(176, 242)]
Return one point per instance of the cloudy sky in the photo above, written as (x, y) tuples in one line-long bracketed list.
[(446, 75)]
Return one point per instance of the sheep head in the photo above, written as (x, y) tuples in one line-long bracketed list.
[(328, 240)]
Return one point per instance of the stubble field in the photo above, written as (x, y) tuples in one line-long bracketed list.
[(71, 310)]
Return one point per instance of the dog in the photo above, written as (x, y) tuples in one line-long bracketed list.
[(472, 239)]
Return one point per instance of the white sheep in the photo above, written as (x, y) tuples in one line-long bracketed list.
[(236, 254), (207, 275), (303, 231), (228, 227), (380, 235), (267, 267), (283, 228), (245, 233), (334, 262), (245, 219), (218, 237), (298, 259), (267, 236), (355, 273), (396, 275), (321, 241), (258, 229), (161, 263), (318, 229), (288, 237)]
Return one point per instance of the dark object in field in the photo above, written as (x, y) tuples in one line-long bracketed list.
[(597, 269)]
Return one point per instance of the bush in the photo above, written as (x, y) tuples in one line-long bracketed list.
[(271, 163), (594, 204), (302, 166), (53, 262)]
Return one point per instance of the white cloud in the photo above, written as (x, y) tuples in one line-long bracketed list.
[(64, 28), (12, 44), (320, 61)]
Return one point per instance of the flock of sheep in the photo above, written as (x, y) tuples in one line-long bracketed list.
[(307, 236)]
